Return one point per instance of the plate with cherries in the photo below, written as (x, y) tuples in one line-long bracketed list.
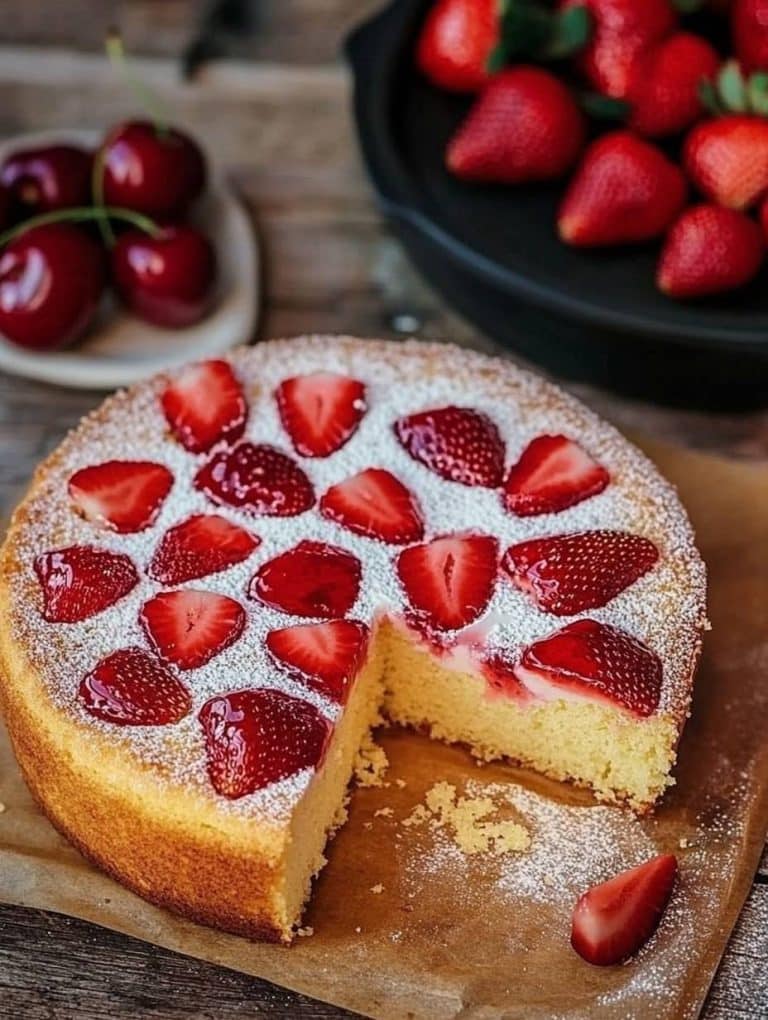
[(121, 254)]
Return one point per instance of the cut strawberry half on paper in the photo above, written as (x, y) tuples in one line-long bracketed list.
[(587, 659), (256, 737), (204, 404), (567, 574), (188, 628), (553, 473), (80, 581), (259, 480), (457, 443), (449, 581), (313, 579), (324, 656), (203, 544), (123, 495), (320, 411), (376, 504), (611, 921), (131, 687)]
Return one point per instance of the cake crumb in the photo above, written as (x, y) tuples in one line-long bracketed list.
[(371, 763), (378, 888), (305, 932), (383, 812), (469, 823), (2, 807), (367, 825), (401, 783), (358, 929)]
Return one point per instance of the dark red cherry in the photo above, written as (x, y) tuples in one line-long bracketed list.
[(167, 279), (51, 282), (159, 172), (52, 177)]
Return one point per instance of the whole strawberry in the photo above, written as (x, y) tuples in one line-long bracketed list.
[(749, 31), (709, 250), (525, 126), (622, 30), (665, 81), (727, 159), (624, 190), (456, 41)]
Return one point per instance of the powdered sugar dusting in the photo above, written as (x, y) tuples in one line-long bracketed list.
[(664, 608)]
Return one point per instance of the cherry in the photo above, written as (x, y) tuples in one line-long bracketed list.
[(154, 170), (52, 177), (166, 278), (51, 280)]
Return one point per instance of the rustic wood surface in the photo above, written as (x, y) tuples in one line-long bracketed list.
[(279, 122)]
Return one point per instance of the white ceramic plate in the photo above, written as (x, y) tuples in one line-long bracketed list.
[(121, 349)]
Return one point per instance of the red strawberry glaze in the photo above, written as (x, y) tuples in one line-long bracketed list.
[(133, 688), (313, 579), (552, 474), (502, 680), (323, 656), (203, 544), (257, 737), (189, 628), (81, 581), (376, 504), (204, 404), (568, 574), (259, 480), (457, 443), (594, 660), (123, 495), (320, 411)]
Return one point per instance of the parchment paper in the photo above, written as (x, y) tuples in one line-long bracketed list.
[(485, 936)]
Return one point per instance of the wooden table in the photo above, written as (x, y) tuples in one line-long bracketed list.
[(276, 114)]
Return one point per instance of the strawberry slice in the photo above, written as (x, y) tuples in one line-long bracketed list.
[(320, 411), (80, 581), (597, 661), (204, 405), (611, 921), (552, 474), (124, 495), (566, 574), (449, 581), (456, 443), (324, 656), (203, 544), (188, 628), (259, 480), (313, 579), (376, 504), (501, 678), (133, 688), (257, 737)]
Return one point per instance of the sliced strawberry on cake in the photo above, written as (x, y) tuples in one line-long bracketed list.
[(257, 479), (568, 574), (133, 688), (201, 545), (81, 581), (204, 404), (123, 495), (611, 921), (596, 661), (324, 656), (257, 737), (320, 411), (313, 579), (189, 628), (376, 504), (449, 581), (552, 474), (457, 443)]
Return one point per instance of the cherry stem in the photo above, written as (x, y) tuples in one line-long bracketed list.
[(83, 214), (147, 99), (97, 190)]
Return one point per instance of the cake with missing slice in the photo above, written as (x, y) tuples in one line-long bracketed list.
[(223, 577)]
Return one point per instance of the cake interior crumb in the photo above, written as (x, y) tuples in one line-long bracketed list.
[(469, 821), (371, 764)]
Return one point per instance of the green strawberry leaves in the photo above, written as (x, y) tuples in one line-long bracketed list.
[(532, 31), (734, 92)]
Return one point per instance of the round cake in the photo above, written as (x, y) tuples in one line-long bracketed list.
[(225, 577)]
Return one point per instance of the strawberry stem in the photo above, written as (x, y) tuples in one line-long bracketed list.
[(147, 99), (83, 214)]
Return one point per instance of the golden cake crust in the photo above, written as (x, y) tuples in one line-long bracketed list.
[(171, 841)]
